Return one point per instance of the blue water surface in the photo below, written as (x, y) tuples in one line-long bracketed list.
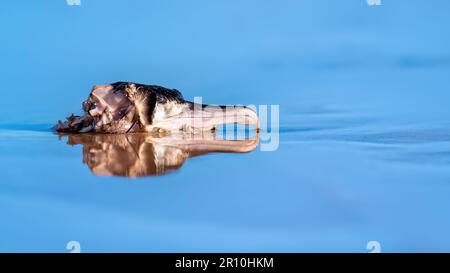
[(364, 152)]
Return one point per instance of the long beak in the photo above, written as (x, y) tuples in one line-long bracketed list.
[(207, 117)]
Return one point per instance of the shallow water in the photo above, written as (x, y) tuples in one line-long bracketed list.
[(333, 186), (364, 148)]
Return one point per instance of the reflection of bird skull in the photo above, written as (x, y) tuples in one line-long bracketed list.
[(134, 155), (374, 2), (111, 109), (128, 155)]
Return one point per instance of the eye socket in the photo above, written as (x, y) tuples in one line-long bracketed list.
[(87, 105)]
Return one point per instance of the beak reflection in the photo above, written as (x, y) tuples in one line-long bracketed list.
[(139, 154)]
